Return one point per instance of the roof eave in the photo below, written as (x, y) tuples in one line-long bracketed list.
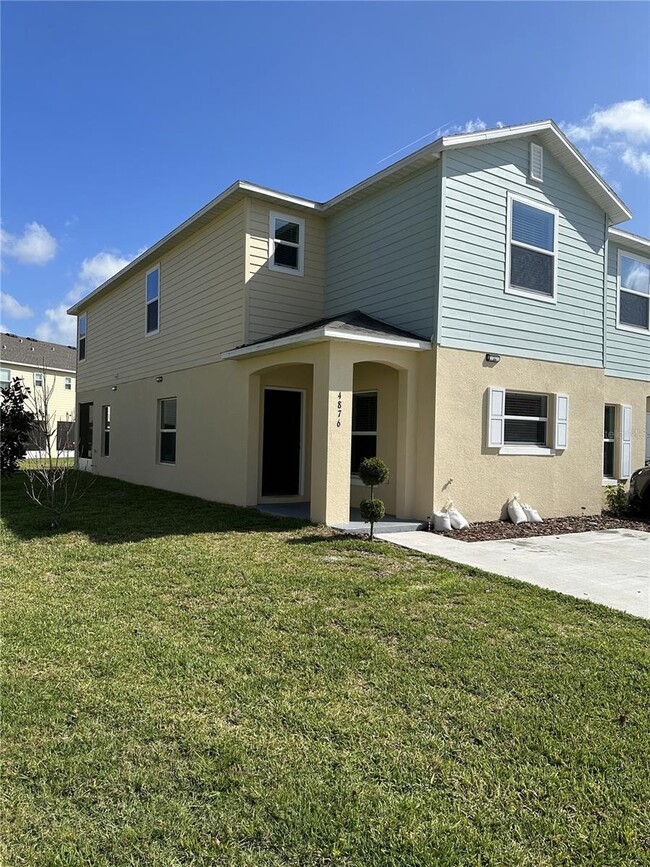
[(630, 241)]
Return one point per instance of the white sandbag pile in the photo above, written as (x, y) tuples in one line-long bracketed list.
[(449, 518), (520, 513)]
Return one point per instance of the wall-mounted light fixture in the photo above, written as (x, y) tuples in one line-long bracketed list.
[(159, 379), (493, 359), (113, 388)]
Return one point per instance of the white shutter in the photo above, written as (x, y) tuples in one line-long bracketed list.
[(495, 421), (561, 437), (625, 451), (536, 162)]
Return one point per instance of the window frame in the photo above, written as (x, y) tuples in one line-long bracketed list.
[(106, 430), (624, 326), (39, 379), (162, 430), (355, 476), (67, 383), (8, 369), (300, 246), (526, 445), (81, 336), (147, 302), (519, 291)]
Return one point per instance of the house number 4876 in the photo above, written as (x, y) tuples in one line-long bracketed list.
[(339, 405)]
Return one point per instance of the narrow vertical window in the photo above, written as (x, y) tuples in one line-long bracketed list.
[(83, 326), (167, 431), (5, 377), (68, 383), (286, 244), (633, 293), (106, 431), (532, 250), (609, 441), (364, 428), (152, 293), (85, 430), (38, 380)]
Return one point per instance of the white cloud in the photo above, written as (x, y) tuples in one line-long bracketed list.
[(97, 270), (34, 247), (58, 326), (13, 309), (619, 133)]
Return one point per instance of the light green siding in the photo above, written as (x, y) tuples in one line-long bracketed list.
[(627, 353), (476, 312), (382, 254)]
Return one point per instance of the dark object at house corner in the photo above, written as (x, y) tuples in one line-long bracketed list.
[(640, 490)]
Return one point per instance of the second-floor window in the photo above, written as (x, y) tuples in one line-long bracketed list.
[(531, 250), (68, 383), (83, 327), (286, 244), (153, 300), (38, 380), (5, 377), (633, 292)]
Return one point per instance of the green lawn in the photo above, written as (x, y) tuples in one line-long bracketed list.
[(194, 684)]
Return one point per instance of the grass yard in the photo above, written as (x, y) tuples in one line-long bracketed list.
[(192, 684)]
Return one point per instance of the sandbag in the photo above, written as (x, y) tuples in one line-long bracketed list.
[(516, 512), (532, 515), (458, 522), (441, 521)]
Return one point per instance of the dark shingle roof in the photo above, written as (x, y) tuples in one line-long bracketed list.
[(355, 322), (28, 350)]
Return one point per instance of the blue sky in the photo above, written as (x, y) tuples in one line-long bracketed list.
[(122, 119)]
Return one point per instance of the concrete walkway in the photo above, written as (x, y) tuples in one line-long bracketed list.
[(611, 567)]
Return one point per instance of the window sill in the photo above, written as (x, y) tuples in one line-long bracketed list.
[(534, 296), (280, 269), (526, 450), (635, 329), (613, 482)]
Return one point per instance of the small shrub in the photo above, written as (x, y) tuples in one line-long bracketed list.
[(373, 472), (617, 501), (372, 511)]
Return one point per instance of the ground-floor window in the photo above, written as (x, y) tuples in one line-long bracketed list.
[(167, 431), (65, 436), (106, 431), (364, 427), (525, 419), (85, 430)]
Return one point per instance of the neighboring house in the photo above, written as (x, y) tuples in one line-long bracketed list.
[(468, 314), (48, 370)]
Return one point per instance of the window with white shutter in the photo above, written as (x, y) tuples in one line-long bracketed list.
[(625, 451)]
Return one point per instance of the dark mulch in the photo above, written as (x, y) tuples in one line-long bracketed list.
[(486, 531)]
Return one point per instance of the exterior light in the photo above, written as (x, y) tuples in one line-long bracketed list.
[(159, 379), (493, 359), (113, 388)]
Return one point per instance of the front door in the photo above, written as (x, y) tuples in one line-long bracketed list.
[(281, 443)]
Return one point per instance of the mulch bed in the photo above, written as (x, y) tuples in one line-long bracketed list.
[(486, 531)]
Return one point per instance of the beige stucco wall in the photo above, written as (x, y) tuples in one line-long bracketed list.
[(480, 480), (219, 424)]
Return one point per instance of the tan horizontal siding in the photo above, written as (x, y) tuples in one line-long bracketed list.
[(201, 310), (275, 301)]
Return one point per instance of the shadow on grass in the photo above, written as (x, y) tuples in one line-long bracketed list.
[(112, 512)]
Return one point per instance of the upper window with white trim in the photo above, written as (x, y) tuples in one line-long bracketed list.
[(633, 292), (531, 250), (38, 380), (152, 301), (68, 383), (286, 244), (81, 343), (5, 377)]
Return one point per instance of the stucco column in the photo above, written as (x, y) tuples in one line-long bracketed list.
[(406, 445), (331, 435)]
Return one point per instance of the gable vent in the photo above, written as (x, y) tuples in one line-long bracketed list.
[(536, 170)]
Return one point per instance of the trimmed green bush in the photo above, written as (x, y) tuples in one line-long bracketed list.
[(617, 501), (373, 472)]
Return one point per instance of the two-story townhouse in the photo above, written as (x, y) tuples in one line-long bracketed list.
[(468, 314), (49, 371)]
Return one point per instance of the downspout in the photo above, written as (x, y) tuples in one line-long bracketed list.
[(605, 273)]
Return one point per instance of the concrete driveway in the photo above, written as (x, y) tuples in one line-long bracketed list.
[(611, 567)]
